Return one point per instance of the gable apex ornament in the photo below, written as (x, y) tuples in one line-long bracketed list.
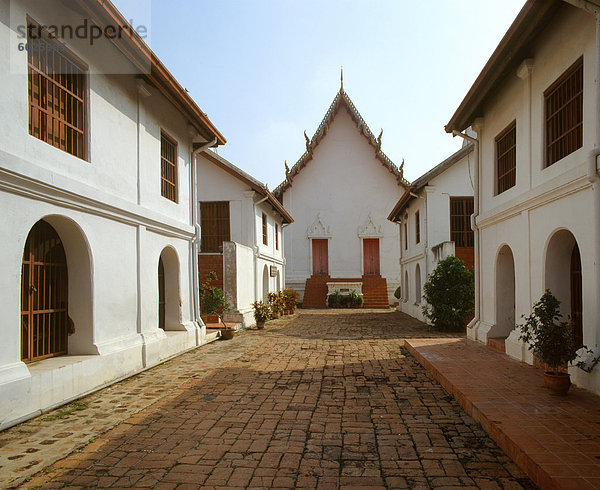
[(370, 229), (318, 229)]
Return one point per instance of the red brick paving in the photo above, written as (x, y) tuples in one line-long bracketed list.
[(555, 440), (330, 401)]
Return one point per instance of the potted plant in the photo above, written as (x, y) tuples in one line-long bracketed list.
[(290, 299), (212, 300), (551, 341), (276, 303), (262, 312)]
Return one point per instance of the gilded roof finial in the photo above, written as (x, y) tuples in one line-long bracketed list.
[(341, 79), (307, 141), (287, 169), (379, 139)]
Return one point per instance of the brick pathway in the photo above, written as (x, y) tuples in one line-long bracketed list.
[(329, 400), (555, 439)]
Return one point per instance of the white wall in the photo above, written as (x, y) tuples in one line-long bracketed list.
[(544, 201), (112, 239), (344, 183), (433, 204)]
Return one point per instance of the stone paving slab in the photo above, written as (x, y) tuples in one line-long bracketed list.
[(555, 440), (39, 442), (330, 400)]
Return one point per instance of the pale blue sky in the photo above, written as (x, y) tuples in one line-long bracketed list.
[(266, 70)]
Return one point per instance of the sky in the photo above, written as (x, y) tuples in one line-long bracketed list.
[(266, 70)]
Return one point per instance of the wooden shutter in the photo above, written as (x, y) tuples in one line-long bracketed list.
[(214, 223)]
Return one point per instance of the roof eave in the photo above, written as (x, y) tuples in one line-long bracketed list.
[(250, 181), (140, 54), (509, 52), (401, 205)]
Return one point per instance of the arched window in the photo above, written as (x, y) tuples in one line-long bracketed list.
[(44, 295)]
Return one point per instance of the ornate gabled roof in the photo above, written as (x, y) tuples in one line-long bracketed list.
[(340, 99)]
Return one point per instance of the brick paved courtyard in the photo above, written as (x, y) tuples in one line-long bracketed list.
[(330, 399)]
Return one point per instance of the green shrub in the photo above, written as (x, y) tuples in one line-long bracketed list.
[(339, 300), (212, 298), (547, 337), (335, 300), (449, 294), (398, 292)]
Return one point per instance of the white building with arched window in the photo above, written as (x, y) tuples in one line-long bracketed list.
[(536, 110), (98, 269)]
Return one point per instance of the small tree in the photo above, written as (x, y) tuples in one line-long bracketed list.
[(212, 298), (449, 294), (547, 337)]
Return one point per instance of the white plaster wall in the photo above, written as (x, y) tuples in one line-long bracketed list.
[(112, 124), (433, 205), (112, 239), (344, 183), (544, 200)]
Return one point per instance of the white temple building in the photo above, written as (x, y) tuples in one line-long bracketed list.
[(340, 192)]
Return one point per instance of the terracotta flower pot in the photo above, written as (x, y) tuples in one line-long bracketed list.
[(227, 333), (260, 325), (210, 318), (557, 383)]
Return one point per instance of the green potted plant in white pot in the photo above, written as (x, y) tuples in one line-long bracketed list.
[(551, 341)]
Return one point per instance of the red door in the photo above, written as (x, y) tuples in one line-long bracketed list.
[(371, 256), (319, 254)]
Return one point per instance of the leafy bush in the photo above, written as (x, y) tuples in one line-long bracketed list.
[(548, 338), (212, 298), (398, 292), (334, 300), (449, 294), (262, 311), (339, 300), (290, 299), (276, 301)]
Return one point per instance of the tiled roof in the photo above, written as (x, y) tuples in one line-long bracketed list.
[(340, 99)]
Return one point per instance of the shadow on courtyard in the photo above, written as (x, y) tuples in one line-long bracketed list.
[(365, 414)]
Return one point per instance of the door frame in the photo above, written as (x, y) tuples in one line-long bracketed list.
[(310, 253), (362, 253)]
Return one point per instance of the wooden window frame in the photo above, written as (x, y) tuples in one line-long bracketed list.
[(213, 242), (276, 236), (168, 183), (506, 158), (463, 235), (417, 227), (57, 94), (556, 149), (265, 235)]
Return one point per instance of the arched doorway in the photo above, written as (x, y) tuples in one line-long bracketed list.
[(169, 298), (161, 294), (505, 292), (265, 284), (418, 284), (576, 297), (564, 278), (44, 295)]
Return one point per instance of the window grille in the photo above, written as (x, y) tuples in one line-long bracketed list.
[(214, 223), (264, 229), (461, 209), (417, 228), (57, 93), (506, 158), (564, 114), (168, 167)]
